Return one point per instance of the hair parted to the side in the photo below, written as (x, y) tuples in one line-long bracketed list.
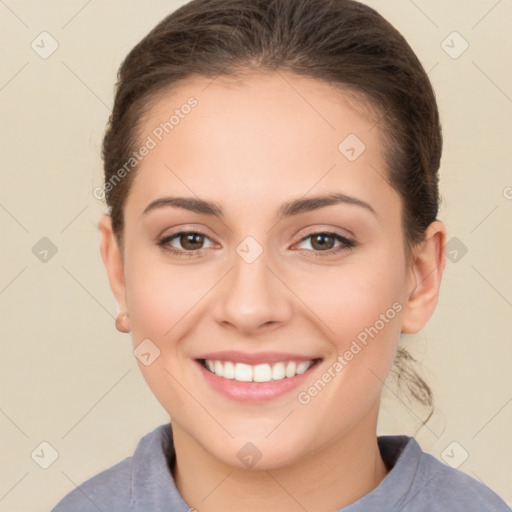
[(342, 42)]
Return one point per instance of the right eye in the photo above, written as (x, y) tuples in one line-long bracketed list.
[(189, 240)]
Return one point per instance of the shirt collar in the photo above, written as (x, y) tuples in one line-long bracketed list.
[(153, 487)]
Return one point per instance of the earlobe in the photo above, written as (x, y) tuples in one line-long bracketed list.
[(113, 261), (425, 279)]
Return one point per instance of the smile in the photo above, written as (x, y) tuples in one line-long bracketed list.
[(255, 377), (265, 372)]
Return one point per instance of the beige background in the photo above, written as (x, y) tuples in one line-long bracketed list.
[(69, 378)]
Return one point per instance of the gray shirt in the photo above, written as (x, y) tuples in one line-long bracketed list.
[(417, 482)]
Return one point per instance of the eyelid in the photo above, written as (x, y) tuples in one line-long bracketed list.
[(324, 232), (188, 228), (174, 230), (325, 228)]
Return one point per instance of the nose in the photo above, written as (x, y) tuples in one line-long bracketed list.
[(253, 297)]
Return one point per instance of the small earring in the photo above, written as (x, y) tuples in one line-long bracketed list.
[(122, 323)]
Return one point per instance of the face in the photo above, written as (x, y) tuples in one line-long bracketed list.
[(266, 282)]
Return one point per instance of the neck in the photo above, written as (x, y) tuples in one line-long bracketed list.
[(329, 479)]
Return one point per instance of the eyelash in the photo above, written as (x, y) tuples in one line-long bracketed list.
[(346, 243)]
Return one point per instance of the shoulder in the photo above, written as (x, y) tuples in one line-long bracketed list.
[(436, 486), (107, 490), (113, 488)]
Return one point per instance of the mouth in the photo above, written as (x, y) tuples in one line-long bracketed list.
[(264, 372), (253, 378)]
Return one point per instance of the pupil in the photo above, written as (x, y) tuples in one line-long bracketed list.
[(189, 240), (322, 237)]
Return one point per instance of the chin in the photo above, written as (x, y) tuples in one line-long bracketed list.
[(256, 452)]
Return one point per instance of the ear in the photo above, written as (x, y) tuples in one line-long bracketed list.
[(424, 279), (113, 261)]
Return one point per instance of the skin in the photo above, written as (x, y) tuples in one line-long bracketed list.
[(250, 146)]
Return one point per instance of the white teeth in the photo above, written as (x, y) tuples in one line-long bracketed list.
[(243, 372), (278, 372), (302, 367), (257, 373), (262, 373), (229, 370), (219, 367), (290, 369)]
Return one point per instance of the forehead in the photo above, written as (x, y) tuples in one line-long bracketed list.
[(261, 135)]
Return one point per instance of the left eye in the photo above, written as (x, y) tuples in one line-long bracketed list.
[(324, 242)]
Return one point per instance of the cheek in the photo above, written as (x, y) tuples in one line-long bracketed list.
[(360, 310), (161, 296), (353, 297), (161, 301)]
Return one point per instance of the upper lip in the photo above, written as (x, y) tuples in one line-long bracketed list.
[(254, 358)]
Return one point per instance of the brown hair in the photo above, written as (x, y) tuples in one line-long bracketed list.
[(342, 42)]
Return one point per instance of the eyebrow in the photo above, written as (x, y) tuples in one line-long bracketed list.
[(289, 209)]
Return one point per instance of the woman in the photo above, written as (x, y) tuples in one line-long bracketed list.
[(271, 169)]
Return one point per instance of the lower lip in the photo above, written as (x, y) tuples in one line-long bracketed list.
[(254, 391)]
